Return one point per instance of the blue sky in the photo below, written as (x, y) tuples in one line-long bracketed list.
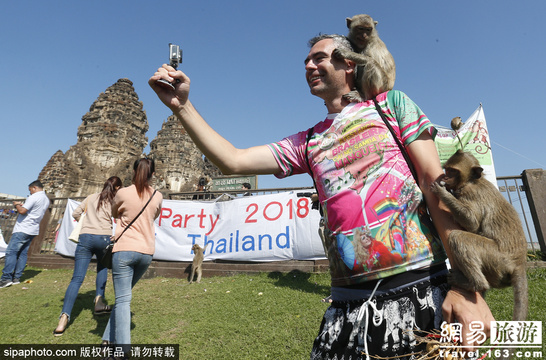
[(245, 60)]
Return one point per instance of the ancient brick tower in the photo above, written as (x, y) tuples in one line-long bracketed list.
[(179, 163), (111, 136)]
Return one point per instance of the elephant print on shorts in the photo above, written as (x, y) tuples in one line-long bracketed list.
[(433, 299), (332, 328), (400, 317)]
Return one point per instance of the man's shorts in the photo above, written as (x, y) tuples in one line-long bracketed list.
[(388, 320)]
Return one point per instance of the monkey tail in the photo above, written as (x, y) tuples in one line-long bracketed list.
[(460, 142), (519, 283)]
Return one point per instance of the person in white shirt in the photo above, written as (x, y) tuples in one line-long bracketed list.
[(30, 214)]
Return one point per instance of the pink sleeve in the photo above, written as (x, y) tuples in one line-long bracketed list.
[(290, 154)]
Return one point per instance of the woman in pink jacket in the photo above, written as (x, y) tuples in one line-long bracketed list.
[(132, 253)]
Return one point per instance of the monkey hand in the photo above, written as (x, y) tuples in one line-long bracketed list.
[(353, 96), (339, 53), (438, 187)]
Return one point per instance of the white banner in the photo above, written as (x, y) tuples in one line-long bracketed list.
[(251, 228), (3, 245), (475, 139)]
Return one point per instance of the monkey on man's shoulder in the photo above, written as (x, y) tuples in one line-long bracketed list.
[(375, 71), (492, 250)]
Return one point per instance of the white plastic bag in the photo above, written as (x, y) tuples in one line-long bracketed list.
[(75, 234)]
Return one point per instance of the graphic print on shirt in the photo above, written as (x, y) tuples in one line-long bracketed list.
[(371, 203), (371, 196)]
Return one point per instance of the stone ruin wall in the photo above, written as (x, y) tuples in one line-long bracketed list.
[(111, 137), (179, 163)]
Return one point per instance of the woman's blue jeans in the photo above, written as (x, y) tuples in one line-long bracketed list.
[(127, 268), (88, 246)]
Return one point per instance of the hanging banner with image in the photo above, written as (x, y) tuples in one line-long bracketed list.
[(474, 139)]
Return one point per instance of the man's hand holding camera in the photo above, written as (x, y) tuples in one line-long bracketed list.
[(171, 86), (175, 98)]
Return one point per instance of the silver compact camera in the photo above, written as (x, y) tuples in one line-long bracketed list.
[(175, 55), (175, 58)]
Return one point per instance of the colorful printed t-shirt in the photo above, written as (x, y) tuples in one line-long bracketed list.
[(370, 200)]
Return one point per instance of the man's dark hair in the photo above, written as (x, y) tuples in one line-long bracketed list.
[(340, 41), (36, 183), (247, 186)]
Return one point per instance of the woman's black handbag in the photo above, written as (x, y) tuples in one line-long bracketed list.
[(106, 259)]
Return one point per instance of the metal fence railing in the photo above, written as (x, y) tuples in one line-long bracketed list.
[(510, 186), (53, 219)]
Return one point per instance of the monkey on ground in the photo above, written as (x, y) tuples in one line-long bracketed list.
[(197, 264), (375, 71), (492, 250)]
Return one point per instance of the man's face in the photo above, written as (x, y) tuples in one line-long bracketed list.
[(325, 75), (32, 189)]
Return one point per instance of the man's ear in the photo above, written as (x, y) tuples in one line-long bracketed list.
[(351, 66), (351, 73)]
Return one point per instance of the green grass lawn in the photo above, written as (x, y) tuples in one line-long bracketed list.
[(262, 316)]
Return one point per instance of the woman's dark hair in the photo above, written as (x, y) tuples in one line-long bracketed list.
[(109, 190), (144, 169)]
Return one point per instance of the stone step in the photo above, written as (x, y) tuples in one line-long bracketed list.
[(182, 269)]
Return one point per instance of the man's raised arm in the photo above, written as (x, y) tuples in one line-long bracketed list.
[(230, 160)]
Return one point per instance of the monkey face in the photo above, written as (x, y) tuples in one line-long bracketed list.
[(361, 34), (452, 178), (461, 168), (361, 28)]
